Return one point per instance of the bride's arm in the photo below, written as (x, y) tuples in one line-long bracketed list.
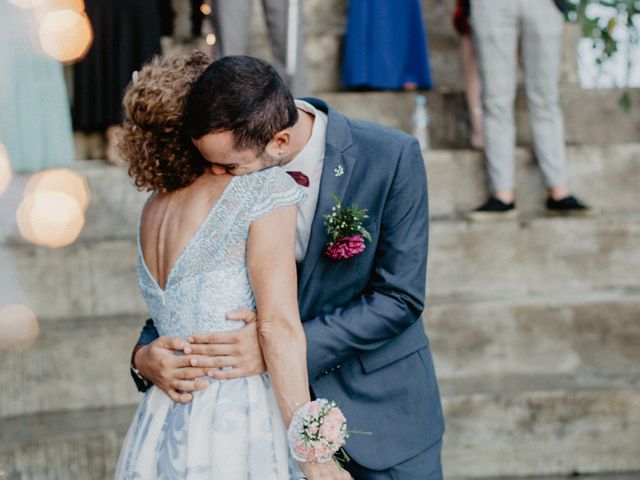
[(272, 271)]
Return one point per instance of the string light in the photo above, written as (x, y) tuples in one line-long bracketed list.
[(61, 180), (5, 169), (66, 35), (18, 327)]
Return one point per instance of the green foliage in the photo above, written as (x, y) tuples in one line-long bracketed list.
[(345, 221), (600, 30)]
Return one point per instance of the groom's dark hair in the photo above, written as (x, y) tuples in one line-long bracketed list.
[(243, 95)]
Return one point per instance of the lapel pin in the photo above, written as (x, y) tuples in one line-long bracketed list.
[(338, 171)]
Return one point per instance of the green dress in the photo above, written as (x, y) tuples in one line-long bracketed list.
[(35, 119)]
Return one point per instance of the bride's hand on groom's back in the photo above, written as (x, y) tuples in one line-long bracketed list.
[(174, 374)]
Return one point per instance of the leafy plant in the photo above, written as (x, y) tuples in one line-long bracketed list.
[(600, 30)]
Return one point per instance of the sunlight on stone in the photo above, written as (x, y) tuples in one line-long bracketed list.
[(66, 35), (18, 327), (50, 219), (5, 169), (61, 180)]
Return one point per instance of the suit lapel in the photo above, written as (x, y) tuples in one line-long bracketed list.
[(336, 173)]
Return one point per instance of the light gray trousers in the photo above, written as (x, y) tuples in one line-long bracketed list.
[(498, 26), (232, 25)]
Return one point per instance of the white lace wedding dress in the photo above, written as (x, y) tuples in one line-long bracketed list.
[(233, 430)]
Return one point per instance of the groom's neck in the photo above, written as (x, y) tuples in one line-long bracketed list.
[(301, 132)]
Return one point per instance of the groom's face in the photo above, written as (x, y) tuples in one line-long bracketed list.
[(219, 149)]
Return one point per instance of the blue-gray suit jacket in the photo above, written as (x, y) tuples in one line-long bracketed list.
[(367, 349)]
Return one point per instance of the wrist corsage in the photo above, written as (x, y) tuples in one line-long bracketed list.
[(318, 430), (344, 226)]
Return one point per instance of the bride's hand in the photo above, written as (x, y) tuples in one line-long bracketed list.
[(243, 315), (324, 471)]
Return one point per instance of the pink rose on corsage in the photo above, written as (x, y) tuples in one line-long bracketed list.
[(344, 227)]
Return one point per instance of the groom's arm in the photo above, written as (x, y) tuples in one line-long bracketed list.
[(394, 297)]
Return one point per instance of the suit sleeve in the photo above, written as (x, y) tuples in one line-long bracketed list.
[(394, 297), (148, 333)]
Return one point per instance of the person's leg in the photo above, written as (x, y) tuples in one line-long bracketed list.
[(232, 22), (427, 465), (542, 25), (276, 15), (495, 26), (472, 89)]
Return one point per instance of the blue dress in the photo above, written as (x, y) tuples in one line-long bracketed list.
[(233, 430), (385, 45), (35, 121)]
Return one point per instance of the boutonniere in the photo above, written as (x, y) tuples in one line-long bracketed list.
[(344, 227)]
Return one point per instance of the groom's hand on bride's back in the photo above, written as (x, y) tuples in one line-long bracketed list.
[(231, 354), (175, 374)]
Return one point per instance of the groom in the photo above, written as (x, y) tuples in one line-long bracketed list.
[(367, 349)]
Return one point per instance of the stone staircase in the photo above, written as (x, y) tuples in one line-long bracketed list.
[(534, 324)]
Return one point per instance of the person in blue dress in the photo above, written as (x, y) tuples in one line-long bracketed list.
[(35, 121), (386, 46)]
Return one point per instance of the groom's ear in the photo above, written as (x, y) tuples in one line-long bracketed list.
[(279, 144)]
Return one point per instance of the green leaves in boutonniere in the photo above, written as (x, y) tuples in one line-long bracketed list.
[(344, 227)]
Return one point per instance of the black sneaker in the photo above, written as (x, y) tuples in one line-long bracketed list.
[(493, 210), (569, 206)]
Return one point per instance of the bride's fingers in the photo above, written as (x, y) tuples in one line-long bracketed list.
[(210, 338), (242, 314)]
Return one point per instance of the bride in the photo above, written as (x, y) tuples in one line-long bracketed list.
[(210, 243)]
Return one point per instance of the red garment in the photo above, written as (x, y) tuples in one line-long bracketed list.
[(300, 178), (460, 18)]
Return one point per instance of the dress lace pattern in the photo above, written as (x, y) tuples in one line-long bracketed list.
[(232, 430)]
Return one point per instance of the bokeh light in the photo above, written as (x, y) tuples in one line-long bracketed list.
[(205, 9), (211, 39), (5, 169), (66, 34), (50, 219), (18, 327), (45, 7), (27, 3), (61, 180)]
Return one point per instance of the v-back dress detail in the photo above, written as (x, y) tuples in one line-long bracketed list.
[(233, 430)]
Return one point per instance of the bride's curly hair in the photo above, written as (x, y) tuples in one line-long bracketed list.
[(160, 155)]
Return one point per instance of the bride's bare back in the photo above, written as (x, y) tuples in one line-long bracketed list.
[(170, 221)]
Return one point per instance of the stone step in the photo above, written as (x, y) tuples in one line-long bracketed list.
[(83, 362), (541, 425), (98, 278), (496, 427), (74, 364), (604, 175), (584, 114), (79, 445), (569, 334)]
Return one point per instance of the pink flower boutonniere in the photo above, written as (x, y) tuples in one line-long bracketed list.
[(344, 227)]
